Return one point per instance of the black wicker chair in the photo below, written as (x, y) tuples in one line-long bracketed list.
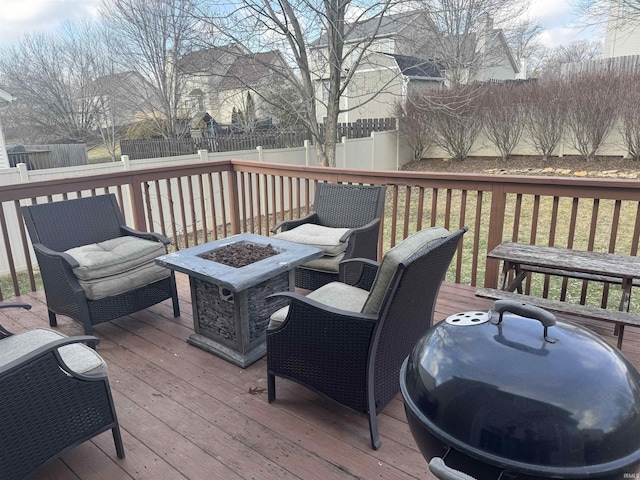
[(354, 207), (348, 342), (55, 395), (57, 227)]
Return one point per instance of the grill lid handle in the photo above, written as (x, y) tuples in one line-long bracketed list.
[(547, 319), (443, 472)]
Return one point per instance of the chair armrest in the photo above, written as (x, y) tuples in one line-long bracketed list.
[(26, 306), (358, 272), (363, 241), (363, 229), (155, 237), (289, 224), (62, 256), (46, 349), (314, 308)]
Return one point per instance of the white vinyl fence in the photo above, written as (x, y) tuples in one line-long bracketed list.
[(380, 151)]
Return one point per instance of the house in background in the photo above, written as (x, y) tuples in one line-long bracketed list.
[(621, 44), (220, 80), (383, 80), (402, 45), (5, 99), (122, 99), (622, 37)]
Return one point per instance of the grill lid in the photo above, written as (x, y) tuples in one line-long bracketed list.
[(550, 399)]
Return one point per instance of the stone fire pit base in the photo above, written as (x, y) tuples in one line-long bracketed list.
[(232, 325), (230, 307)]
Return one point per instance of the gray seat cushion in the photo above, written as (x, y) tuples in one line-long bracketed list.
[(326, 263), (78, 357), (118, 265), (326, 238), (114, 256), (392, 259), (123, 282), (334, 294)]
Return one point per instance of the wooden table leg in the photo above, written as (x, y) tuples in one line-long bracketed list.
[(625, 300)]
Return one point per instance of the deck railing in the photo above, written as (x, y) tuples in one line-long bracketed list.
[(199, 202)]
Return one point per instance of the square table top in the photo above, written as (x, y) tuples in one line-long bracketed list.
[(234, 279)]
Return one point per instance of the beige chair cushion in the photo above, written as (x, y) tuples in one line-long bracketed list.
[(334, 294), (78, 357), (326, 238), (118, 265), (123, 282), (392, 259), (114, 256), (326, 263)]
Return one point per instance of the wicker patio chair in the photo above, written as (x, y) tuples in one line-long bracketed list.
[(345, 223), (55, 395), (95, 268), (347, 342)]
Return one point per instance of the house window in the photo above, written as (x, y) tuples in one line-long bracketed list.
[(325, 92), (195, 100)]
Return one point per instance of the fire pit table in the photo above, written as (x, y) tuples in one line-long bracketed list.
[(230, 310)]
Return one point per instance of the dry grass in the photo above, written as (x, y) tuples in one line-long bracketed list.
[(462, 210)]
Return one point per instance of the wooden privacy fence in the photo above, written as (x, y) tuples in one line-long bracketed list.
[(199, 202), (159, 147)]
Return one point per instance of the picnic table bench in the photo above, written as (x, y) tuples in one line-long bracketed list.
[(612, 268)]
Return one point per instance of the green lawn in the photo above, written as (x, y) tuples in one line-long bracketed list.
[(100, 154)]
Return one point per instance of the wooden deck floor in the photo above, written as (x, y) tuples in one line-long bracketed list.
[(187, 414)]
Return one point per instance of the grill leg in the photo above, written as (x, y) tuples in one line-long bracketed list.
[(52, 319)]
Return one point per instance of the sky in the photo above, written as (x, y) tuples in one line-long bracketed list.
[(19, 16)]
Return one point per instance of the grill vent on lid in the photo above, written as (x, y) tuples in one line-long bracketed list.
[(468, 319)]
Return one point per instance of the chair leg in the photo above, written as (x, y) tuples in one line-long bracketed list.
[(117, 439), (271, 387), (373, 429), (52, 319)]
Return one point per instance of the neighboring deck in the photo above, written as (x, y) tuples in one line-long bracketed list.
[(187, 414)]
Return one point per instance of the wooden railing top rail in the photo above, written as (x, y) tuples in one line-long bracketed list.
[(623, 189)]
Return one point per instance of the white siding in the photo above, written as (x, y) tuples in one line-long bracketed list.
[(4, 159)]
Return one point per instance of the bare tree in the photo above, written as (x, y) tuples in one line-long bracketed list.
[(630, 115), (592, 109), (502, 116), (545, 114), (416, 126), (591, 13), (456, 119), (52, 78), (150, 37), (461, 36), (321, 41), (524, 40), (576, 51)]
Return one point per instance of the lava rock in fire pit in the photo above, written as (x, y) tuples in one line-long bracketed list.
[(240, 254)]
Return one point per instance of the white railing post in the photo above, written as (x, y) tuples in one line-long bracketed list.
[(204, 155), (126, 164), (260, 156), (373, 151), (344, 152), (307, 152), (24, 173)]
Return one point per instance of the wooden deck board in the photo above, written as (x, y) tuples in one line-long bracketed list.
[(187, 414)]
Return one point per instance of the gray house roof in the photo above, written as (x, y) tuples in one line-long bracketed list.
[(387, 26), (415, 67)]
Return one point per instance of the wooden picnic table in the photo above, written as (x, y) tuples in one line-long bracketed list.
[(594, 266)]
